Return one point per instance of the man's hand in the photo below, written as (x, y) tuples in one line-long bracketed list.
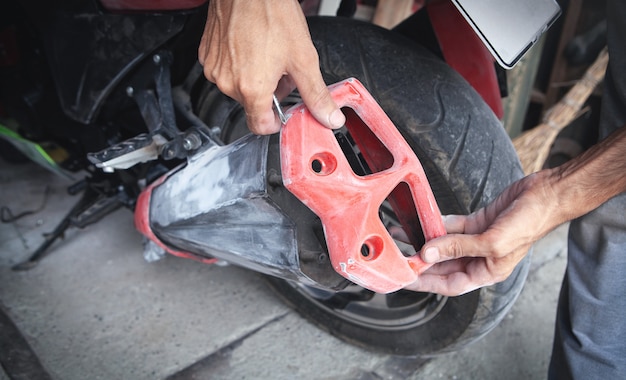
[(483, 248), (252, 49)]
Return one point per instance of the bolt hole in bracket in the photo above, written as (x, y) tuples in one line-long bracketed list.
[(317, 172)]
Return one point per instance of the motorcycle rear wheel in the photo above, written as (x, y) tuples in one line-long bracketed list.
[(468, 159)]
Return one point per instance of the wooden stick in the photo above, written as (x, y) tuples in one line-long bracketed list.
[(533, 146)]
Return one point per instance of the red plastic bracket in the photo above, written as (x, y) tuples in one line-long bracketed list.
[(317, 172)]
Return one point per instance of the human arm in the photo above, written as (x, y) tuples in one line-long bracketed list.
[(252, 49), (484, 247)]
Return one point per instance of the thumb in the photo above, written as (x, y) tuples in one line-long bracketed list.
[(453, 246), (432, 250), (318, 100)]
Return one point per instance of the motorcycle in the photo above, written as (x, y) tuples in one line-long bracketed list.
[(117, 87)]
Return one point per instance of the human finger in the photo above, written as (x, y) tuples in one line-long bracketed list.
[(454, 246), (286, 86), (460, 276), (260, 116), (316, 96), (450, 266), (454, 224), (454, 284)]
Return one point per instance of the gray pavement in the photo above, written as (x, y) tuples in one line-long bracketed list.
[(94, 309)]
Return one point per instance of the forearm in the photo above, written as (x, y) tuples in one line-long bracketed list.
[(591, 179)]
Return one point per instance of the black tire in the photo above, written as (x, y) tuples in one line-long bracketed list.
[(467, 157)]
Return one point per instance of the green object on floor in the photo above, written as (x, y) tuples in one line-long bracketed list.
[(32, 150)]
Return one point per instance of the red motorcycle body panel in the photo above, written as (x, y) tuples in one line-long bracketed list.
[(465, 52), (316, 171)]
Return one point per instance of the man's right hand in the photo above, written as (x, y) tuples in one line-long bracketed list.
[(253, 49)]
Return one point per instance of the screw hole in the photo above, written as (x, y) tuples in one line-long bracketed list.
[(323, 163), (317, 166), (372, 248)]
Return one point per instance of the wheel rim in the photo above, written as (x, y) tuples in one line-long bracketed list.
[(394, 311)]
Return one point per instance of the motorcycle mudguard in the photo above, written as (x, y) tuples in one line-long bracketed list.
[(217, 206)]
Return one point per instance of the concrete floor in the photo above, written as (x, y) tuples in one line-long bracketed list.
[(94, 309)]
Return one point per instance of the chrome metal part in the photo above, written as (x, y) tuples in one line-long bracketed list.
[(191, 141), (142, 148), (281, 115)]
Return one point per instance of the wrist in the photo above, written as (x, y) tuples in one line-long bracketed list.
[(552, 197), (566, 194), (587, 181)]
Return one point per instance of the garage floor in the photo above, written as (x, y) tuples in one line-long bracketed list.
[(94, 309)]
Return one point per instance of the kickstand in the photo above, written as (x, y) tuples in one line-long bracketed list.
[(91, 207)]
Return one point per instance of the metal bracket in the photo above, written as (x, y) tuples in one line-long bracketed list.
[(157, 107)]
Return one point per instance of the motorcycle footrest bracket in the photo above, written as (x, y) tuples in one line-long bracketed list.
[(316, 171)]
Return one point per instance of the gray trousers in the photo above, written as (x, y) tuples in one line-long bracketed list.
[(590, 331)]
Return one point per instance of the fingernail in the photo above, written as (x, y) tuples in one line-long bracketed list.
[(337, 119), (431, 255)]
